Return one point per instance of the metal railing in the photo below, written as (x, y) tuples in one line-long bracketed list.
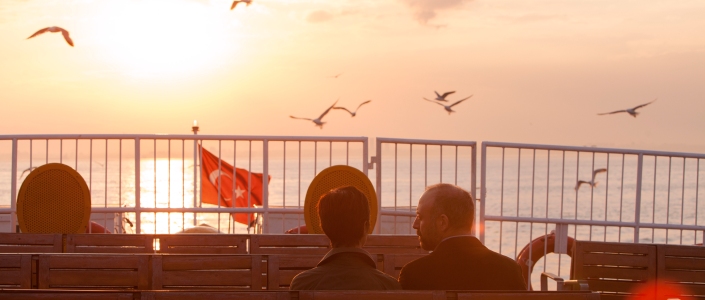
[(421, 163), (642, 197)]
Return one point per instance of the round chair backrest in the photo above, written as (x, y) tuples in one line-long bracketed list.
[(54, 198), (331, 178)]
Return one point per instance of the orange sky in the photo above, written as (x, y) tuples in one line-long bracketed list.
[(540, 70)]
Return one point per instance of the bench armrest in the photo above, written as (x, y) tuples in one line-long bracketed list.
[(562, 284)]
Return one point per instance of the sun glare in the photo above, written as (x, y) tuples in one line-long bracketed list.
[(164, 37)]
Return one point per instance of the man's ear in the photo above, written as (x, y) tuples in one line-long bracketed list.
[(442, 223)]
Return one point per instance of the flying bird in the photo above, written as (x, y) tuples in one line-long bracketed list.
[(318, 121), (336, 76), (64, 32), (449, 107), (592, 183), (353, 113), (440, 97), (236, 2), (631, 111)]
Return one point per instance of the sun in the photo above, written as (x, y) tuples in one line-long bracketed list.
[(164, 37)]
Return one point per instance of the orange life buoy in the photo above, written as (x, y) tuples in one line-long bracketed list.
[(534, 250)]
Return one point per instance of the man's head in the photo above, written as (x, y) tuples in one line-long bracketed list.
[(444, 210), (345, 216)]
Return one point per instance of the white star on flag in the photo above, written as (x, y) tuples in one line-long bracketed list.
[(239, 193)]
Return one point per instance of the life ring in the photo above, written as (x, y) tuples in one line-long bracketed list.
[(536, 249)]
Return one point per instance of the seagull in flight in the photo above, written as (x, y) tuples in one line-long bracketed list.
[(592, 183), (336, 76), (318, 121), (236, 2), (353, 113), (64, 32), (449, 107), (631, 111), (440, 97)]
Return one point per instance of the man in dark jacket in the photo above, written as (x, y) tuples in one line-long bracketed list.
[(345, 219), (459, 261)]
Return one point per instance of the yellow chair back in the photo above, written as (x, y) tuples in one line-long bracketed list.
[(331, 178), (54, 198)]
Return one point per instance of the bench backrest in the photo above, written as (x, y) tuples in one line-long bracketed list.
[(615, 270), (100, 271), (681, 271), (526, 295), (295, 244), (206, 271), (281, 269), (394, 262), (203, 243), (16, 271), (215, 295), (67, 295), (394, 244), (30, 243), (109, 243), (377, 295)]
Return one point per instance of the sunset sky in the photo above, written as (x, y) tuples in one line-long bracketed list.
[(540, 71)]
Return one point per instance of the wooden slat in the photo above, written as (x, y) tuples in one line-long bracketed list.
[(616, 273), (92, 278), (299, 261), (109, 243), (286, 276), (682, 289), (378, 295), (635, 248), (16, 270), (481, 295), (684, 276), (10, 261), (682, 250), (30, 243), (617, 286), (207, 278), (203, 243), (205, 262), (281, 269), (394, 262), (684, 263), (394, 244), (92, 261), (64, 295), (289, 244), (616, 297), (616, 260), (225, 295)]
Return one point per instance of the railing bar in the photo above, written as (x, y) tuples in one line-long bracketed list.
[(516, 224), (298, 219), (13, 188), (411, 172), (533, 182), (396, 169), (90, 174), (621, 198), (577, 177), (668, 205), (330, 153), (501, 194), (548, 187), (284, 177), (653, 201), (138, 191), (697, 187), (265, 186), (607, 188), (155, 184), (456, 167), (249, 183), (231, 217), (315, 159), (562, 182), (682, 198), (220, 182), (347, 154), (75, 163), (425, 165), (46, 154), (61, 151), (441, 164), (592, 194), (168, 190), (183, 181), (531, 238), (31, 152), (637, 213)]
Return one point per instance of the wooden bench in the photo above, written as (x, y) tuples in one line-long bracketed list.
[(96, 271), (295, 244), (523, 295), (109, 243), (377, 295), (681, 271), (48, 294), (16, 271), (30, 243), (394, 244), (203, 243), (393, 263), (217, 295), (615, 270), (207, 271), (281, 269)]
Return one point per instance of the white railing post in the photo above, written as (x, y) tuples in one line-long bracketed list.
[(483, 194), (365, 154), (637, 205), (265, 185), (378, 179), (138, 218), (13, 188)]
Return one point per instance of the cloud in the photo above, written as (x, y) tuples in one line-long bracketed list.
[(425, 10), (319, 16)]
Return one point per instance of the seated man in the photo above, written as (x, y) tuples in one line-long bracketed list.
[(444, 218), (345, 219)]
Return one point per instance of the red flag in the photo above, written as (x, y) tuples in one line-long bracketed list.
[(248, 186)]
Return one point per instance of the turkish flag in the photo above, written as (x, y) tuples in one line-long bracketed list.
[(244, 186)]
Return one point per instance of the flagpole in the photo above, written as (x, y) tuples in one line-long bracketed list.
[(195, 128)]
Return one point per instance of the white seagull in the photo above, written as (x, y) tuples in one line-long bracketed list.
[(631, 111), (236, 2), (64, 32), (592, 183), (318, 121), (449, 107), (440, 97), (353, 113)]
